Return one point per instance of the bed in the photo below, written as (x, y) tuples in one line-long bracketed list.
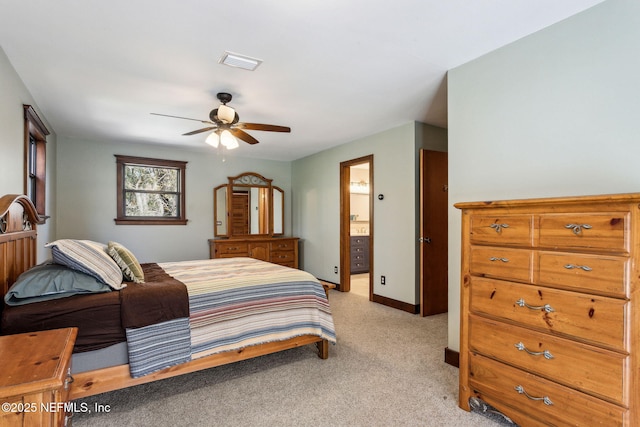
[(158, 320)]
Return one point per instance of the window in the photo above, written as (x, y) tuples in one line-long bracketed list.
[(35, 159), (150, 191)]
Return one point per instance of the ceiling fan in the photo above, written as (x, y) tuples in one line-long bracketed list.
[(225, 124)]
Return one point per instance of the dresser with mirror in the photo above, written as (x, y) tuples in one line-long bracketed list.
[(248, 214)]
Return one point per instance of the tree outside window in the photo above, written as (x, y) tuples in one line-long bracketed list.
[(150, 191)]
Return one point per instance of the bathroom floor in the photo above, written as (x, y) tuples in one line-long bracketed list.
[(360, 284)]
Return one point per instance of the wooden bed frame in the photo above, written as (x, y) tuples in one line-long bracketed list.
[(18, 249)]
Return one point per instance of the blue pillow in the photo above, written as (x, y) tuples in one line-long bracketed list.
[(51, 281)]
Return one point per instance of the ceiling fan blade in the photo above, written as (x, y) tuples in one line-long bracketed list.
[(184, 118), (193, 132), (259, 126), (243, 136)]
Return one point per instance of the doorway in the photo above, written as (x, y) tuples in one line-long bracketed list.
[(356, 226)]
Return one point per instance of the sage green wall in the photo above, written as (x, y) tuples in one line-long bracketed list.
[(316, 207), (553, 114), (87, 196), (14, 95)]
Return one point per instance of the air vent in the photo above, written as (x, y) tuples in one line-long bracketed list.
[(239, 61)]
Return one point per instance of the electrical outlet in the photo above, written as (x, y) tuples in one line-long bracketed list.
[(335, 269), (383, 280)]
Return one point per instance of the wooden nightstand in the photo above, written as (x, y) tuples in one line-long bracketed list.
[(35, 379)]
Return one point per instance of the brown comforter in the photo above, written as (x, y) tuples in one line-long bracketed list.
[(101, 319)]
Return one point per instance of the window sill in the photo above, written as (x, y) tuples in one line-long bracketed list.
[(137, 221)]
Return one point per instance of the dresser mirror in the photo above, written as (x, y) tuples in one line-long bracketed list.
[(277, 196), (248, 205), (220, 210)]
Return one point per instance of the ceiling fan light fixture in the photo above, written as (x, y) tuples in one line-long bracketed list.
[(213, 139), (239, 61), (226, 114), (228, 141)]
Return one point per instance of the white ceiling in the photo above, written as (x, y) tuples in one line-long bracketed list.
[(333, 70)]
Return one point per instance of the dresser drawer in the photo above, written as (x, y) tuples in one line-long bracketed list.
[(604, 275), (282, 245), (234, 248), (357, 267), (590, 369), (359, 250), (360, 256), (510, 264), (281, 257), (592, 319), (540, 398), (586, 231), (359, 241), (501, 230)]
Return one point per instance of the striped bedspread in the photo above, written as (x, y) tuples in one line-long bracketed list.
[(239, 302), (233, 303)]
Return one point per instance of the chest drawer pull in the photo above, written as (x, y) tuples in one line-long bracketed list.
[(544, 399), (499, 259), (582, 267), (545, 307), (499, 227), (577, 228), (547, 354)]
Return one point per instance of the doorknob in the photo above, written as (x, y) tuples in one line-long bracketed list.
[(424, 240)]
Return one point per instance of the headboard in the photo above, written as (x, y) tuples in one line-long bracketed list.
[(18, 219)]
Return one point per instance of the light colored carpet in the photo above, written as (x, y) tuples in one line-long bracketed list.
[(387, 369)]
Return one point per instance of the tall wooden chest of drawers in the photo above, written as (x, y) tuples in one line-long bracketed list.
[(550, 309)]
